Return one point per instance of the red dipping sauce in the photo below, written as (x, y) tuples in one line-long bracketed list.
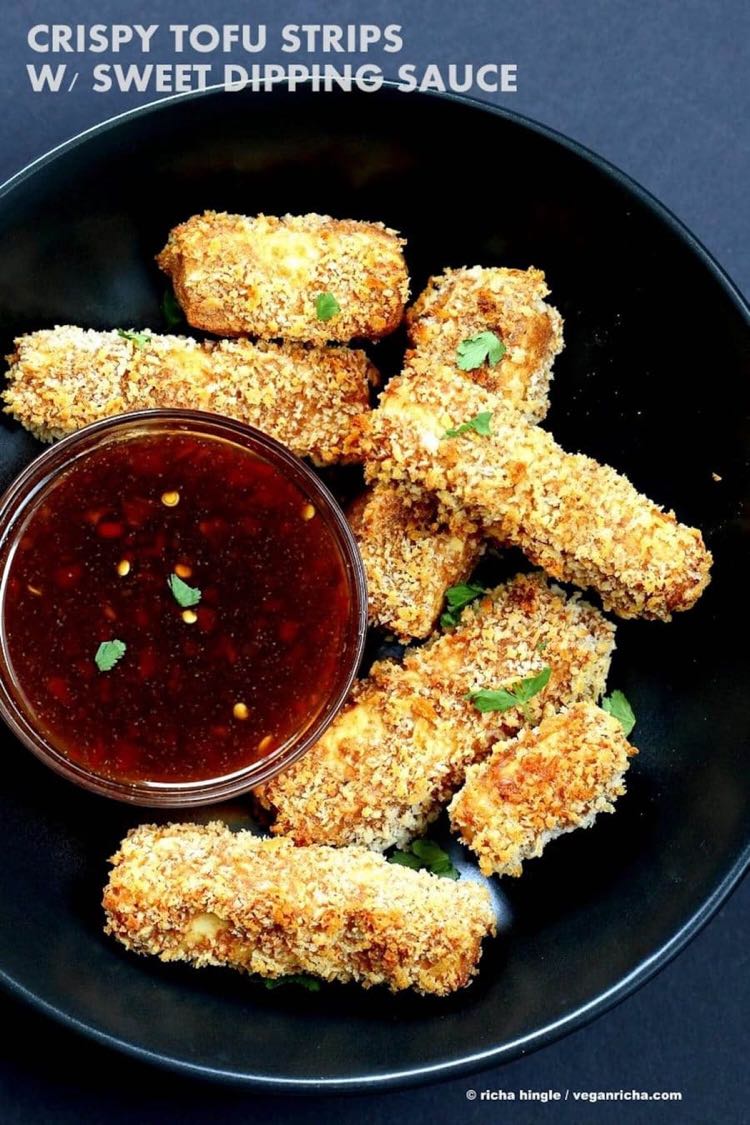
[(178, 605)]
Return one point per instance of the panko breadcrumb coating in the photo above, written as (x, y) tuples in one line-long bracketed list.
[(400, 748), (411, 556), (209, 896), (63, 378), (461, 303), (581, 521), (539, 785), (261, 276)]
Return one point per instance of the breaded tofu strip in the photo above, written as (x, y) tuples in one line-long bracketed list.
[(261, 276), (396, 753), (63, 378), (579, 520), (462, 303), (539, 785), (203, 894), (411, 556)]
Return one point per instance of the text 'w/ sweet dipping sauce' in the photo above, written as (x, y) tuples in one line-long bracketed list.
[(177, 607)]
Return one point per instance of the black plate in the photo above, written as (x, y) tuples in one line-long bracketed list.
[(654, 379)]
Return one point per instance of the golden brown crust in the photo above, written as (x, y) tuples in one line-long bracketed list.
[(412, 553), (411, 556), (461, 303), (396, 753), (64, 378), (539, 785), (260, 276), (581, 521), (203, 894)]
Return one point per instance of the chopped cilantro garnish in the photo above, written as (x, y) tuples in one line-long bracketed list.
[(312, 984), (434, 858), (472, 352), (516, 696), (405, 859), (171, 310), (425, 854), (480, 424), (140, 339), (183, 594), (617, 704), (456, 599), (326, 306), (108, 653)]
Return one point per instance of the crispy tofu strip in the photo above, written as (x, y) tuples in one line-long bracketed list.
[(461, 303), (64, 378), (261, 276), (387, 763), (539, 785), (411, 556), (203, 894), (579, 520), (411, 553)]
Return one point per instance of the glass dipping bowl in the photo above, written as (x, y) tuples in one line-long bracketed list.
[(27, 494)]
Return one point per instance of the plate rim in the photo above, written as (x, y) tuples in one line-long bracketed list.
[(649, 966)]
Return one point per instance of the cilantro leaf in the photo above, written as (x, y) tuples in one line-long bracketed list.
[(532, 685), (516, 696), (425, 855), (405, 859), (312, 984), (140, 339), (461, 595), (487, 700), (183, 594), (472, 352), (171, 309), (326, 306), (617, 704), (108, 653), (480, 424), (434, 858), (457, 598)]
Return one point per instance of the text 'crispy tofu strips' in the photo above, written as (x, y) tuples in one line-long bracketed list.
[(261, 276), (400, 748), (411, 556), (64, 378), (579, 520), (510, 303), (206, 895), (539, 785)]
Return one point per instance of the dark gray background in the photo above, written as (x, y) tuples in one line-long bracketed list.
[(661, 88)]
